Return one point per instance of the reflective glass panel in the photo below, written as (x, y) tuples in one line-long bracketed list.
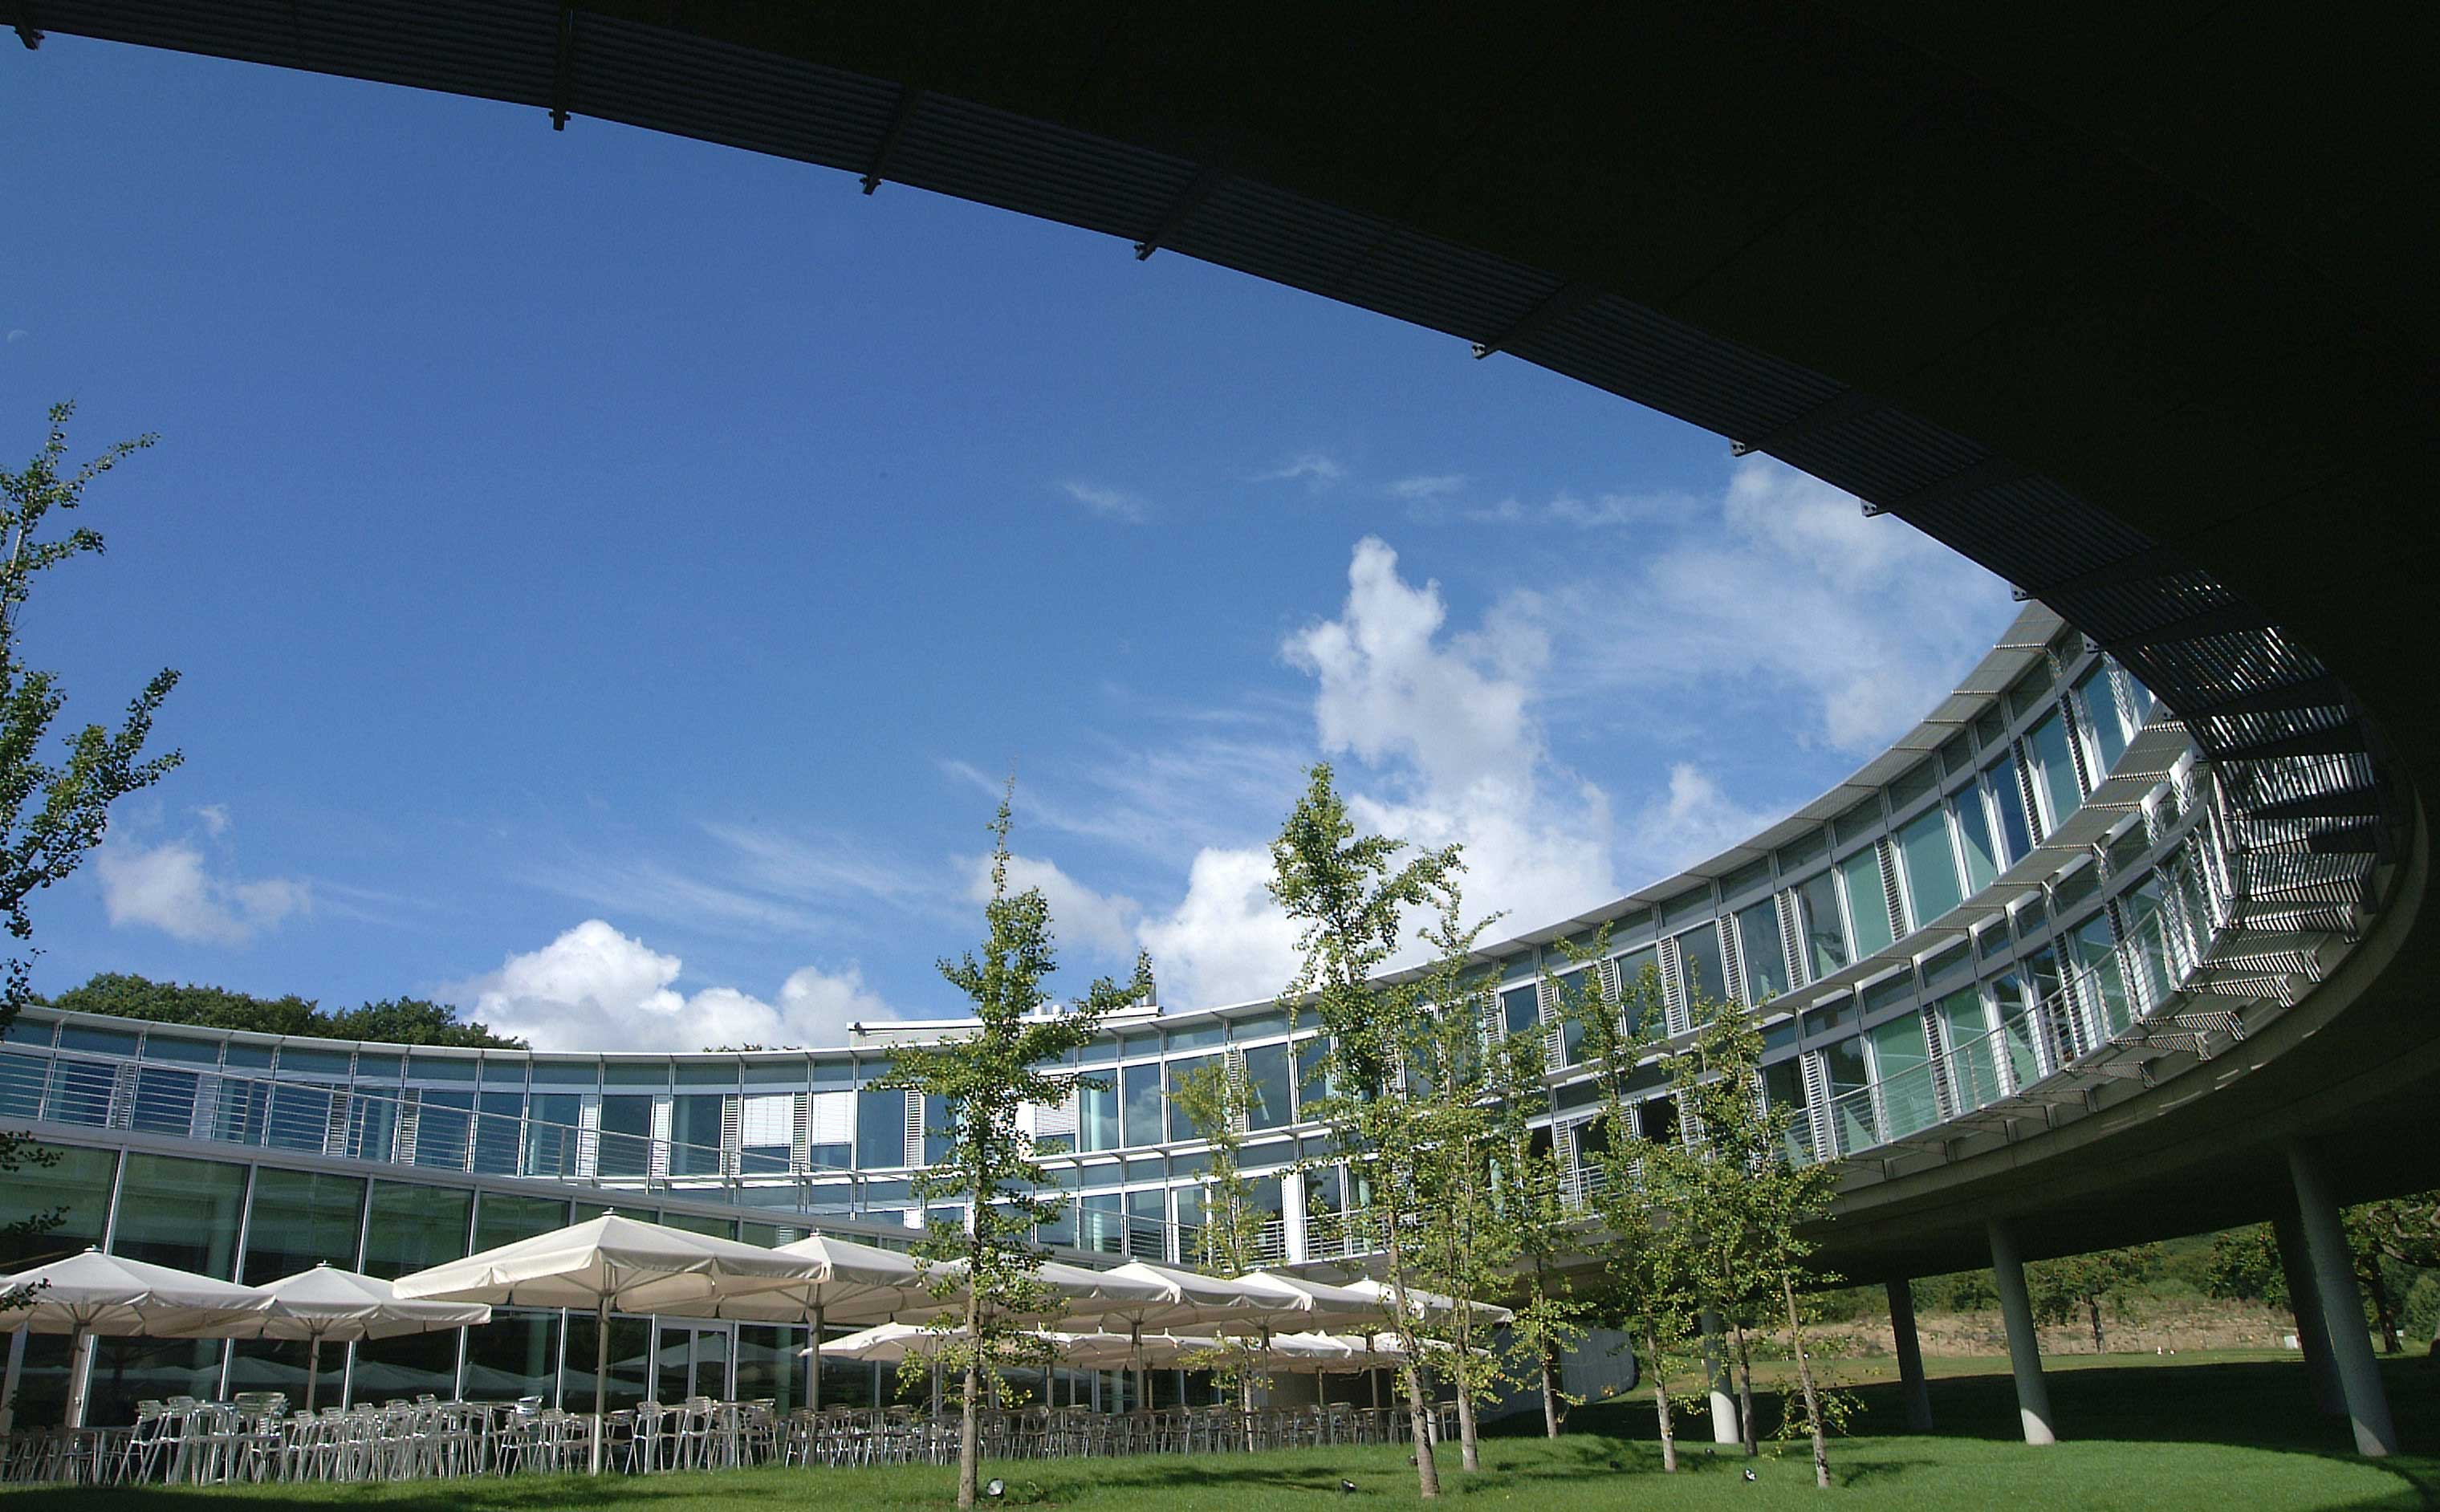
[(503, 1218), (76, 1186), (1902, 1065), (767, 1367), (296, 1220), (1143, 1110), (1974, 830), (1269, 1074), (1867, 906), (1851, 1104), (1758, 941), (1930, 865), (630, 1342), (497, 1132), (165, 1101), (413, 1227), (1702, 976), (405, 1367), (443, 1121), (182, 1214), (880, 1128), (551, 1131), (1181, 1127), (1520, 1008), (2014, 828), (694, 1133), (1097, 1113), (2101, 721), (2055, 769), (1973, 1055), (2102, 987), (1825, 938), (515, 1355)]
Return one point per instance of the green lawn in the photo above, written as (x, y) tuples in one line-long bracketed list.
[(2228, 1434)]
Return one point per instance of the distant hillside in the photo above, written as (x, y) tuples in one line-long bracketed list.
[(393, 1020)]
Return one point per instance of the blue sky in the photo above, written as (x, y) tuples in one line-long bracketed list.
[(611, 574)]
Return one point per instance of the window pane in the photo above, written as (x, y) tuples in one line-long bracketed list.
[(497, 1132), (413, 1227), (2100, 709), (1973, 1057), (1702, 976), (1903, 1063), (1181, 1127), (442, 1124), (372, 1127), (694, 1133), (296, 1220), (1097, 1121), (80, 1091), (501, 1218), (2014, 828), (1267, 1075), (1930, 866), (1825, 939), (127, 1371), (182, 1214), (1974, 829), (880, 1128), (515, 1355), (406, 1367), (767, 1367), (77, 1187), (630, 1340), (551, 1132), (1868, 907), (1520, 1008), (1142, 1112), (2061, 798), (1851, 1102), (2102, 987), (1758, 944)]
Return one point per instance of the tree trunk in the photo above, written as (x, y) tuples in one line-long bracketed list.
[(1745, 1394), (969, 1434), (1661, 1399), (1805, 1380), (1428, 1475), (2384, 1316), (1550, 1399), (1470, 1450)]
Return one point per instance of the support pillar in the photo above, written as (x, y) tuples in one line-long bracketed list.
[(16, 1367), (2334, 1274), (2024, 1345), (2305, 1301), (1909, 1352), (1725, 1428)]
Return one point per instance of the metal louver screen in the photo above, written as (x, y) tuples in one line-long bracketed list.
[(830, 1118), (1673, 996), (915, 1128), (1899, 924), (1732, 964), (1791, 948)]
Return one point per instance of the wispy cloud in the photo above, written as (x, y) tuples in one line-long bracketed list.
[(1112, 504), (658, 891), (1440, 504), (1425, 487), (1315, 470)]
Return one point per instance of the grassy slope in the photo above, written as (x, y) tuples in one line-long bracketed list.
[(2236, 1435)]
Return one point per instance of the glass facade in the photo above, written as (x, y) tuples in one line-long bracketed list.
[(1758, 945), (1702, 973), (1825, 938), (299, 1219), (1932, 884), (183, 1214), (410, 1227), (1867, 906)]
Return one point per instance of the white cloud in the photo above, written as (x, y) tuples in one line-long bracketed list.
[(215, 818), (17, 333), (1112, 504), (1692, 820), (594, 987), (171, 887), (1100, 924), (1426, 486), (1226, 942), (1315, 470)]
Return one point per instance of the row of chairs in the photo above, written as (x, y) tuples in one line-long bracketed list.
[(897, 1435)]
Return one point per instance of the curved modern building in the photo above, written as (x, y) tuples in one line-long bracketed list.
[(2129, 308)]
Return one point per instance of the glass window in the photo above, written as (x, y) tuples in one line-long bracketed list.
[(551, 1134), (299, 1118), (1101, 1227), (497, 1132), (1825, 938), (1782, 1087), (940, 1129), (2014, 828), (2016, 1029), (98, 1039), (1930, 866), (2103, 985), (1702, 975), (77, 1187), (1141, 1114), (443, 1122), (1981, 861), (1520, 1009), (631, 1343), (501, 1218), (1097, 1113), (1851, 1102), (179, 1212), (1269, 1104), (1181, 1127), (406, 1366), (1195, 1038), (515, 1355), (410, 1228), (1902, 1063), (296, 1220), (2055, 770), (1867, 906), (880, 1127), (1973, 1055), (372, 1127), (80, 1091), (2107, 731), (165, 1101), (768, 1368), (1312, 1062), (1148, 1225), (158, 1046), (1758, 944), (694, 1133), (766, 1135)]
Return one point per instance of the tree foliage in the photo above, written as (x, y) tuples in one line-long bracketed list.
[(55, 795), (2082, 1284), (985, 1247), (1229, 1239), (1351, 895), (392, 1020)]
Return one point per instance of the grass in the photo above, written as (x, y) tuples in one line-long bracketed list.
[(2227, 1434)]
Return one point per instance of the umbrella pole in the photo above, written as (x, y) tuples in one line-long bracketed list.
[(818, 1359), (1143, 1384), (312, 1369), (600, 1374), (1371, 1371), (9, 1383), (79, 1376)]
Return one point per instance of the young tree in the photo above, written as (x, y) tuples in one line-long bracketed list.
[(1646, 1262), (53, 809), (1530, 1196), (989, 1168), (1465, 1246), (2083, 1283), (1230, 1240), (1350, 895)]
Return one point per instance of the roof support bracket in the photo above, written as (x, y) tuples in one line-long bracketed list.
[(908, 98), (562, 74), (1180, 210), (29, 31), (1560, 303)]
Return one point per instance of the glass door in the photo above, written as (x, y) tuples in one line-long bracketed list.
[(692, 1361)]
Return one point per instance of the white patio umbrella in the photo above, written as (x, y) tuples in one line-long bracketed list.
[(1188, 1299), (852, 1283), (95, 1294), (1422, 1304), (609, 1263), (1315, 1306), (329, 1303)]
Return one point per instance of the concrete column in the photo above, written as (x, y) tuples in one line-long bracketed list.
[(1909, 1352), (1292, 1214), (2305, 1301), (2024, 1345), (2334, 1274), (1725, 1428)]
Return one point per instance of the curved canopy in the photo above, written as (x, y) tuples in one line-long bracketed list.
[(611, 1262), (97, 1293)]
